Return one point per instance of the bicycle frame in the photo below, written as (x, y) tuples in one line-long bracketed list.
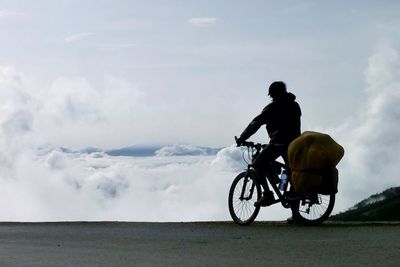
[(281, 195), (270, 176)]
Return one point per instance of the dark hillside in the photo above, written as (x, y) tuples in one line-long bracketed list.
[(384, 206)]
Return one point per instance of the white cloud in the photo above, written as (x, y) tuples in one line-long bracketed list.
[(231, 158), (51, 184), (72, 99), (71, 109), (55, 185), (370, 138), (77, 37), (17, 108), (202, 21), (178, 150)]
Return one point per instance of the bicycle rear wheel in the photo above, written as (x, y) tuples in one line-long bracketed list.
[(314, 210), (244, 191)]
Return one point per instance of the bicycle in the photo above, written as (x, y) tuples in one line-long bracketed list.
[(245, 191)]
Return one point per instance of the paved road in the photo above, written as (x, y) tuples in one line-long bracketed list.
[(198, 244)]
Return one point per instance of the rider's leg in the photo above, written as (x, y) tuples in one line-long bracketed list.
[(268, 154), (261, 173), (292, 193)]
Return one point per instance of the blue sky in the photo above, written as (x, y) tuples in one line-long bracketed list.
[(195, 71)]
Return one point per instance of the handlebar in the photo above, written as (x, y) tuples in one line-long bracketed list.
[(257, 146)]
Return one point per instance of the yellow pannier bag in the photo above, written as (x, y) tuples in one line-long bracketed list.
[(313, 158)]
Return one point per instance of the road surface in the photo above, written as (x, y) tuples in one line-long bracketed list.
[(198, 244)]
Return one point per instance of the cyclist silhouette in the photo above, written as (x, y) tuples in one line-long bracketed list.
[(282, 120)]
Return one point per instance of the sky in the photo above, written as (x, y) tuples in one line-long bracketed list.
[(111, 74)]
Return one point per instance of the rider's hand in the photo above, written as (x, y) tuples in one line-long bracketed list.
[(239, 141)]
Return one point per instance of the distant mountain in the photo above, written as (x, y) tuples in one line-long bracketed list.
[(186, 150), (134, 151), (146, 151), (89, 150), (163, 151), (384, 206)]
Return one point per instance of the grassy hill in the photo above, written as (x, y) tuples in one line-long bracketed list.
[(384, 206)]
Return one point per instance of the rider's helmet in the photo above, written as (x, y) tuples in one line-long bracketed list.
[(277, 89)]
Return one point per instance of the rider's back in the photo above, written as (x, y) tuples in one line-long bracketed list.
[(282, 119)]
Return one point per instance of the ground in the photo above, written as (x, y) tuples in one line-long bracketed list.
[(198, 244)]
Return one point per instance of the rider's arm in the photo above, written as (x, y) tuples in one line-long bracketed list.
[(254, 125)]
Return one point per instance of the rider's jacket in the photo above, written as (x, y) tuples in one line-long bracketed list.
[(282, 120)]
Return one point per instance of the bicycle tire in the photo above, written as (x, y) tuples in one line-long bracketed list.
[(310, 212), (243, 211)]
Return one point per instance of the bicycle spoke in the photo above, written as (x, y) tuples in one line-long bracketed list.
[(241, 199), (314, 211)]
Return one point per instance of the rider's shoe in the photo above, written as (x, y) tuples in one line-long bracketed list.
[(266, 200)]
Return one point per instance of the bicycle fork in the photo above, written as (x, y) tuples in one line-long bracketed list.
[(245, 182)]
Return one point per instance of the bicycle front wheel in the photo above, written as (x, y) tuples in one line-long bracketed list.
[(244, 191), (313, 210)]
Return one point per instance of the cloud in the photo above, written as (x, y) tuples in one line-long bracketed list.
[(17, 107), (202, 21), (370, 138), (46, 183), (184, 150), (72, 98), (231, 158), (67, 109), (55, 185), (77, 37)]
